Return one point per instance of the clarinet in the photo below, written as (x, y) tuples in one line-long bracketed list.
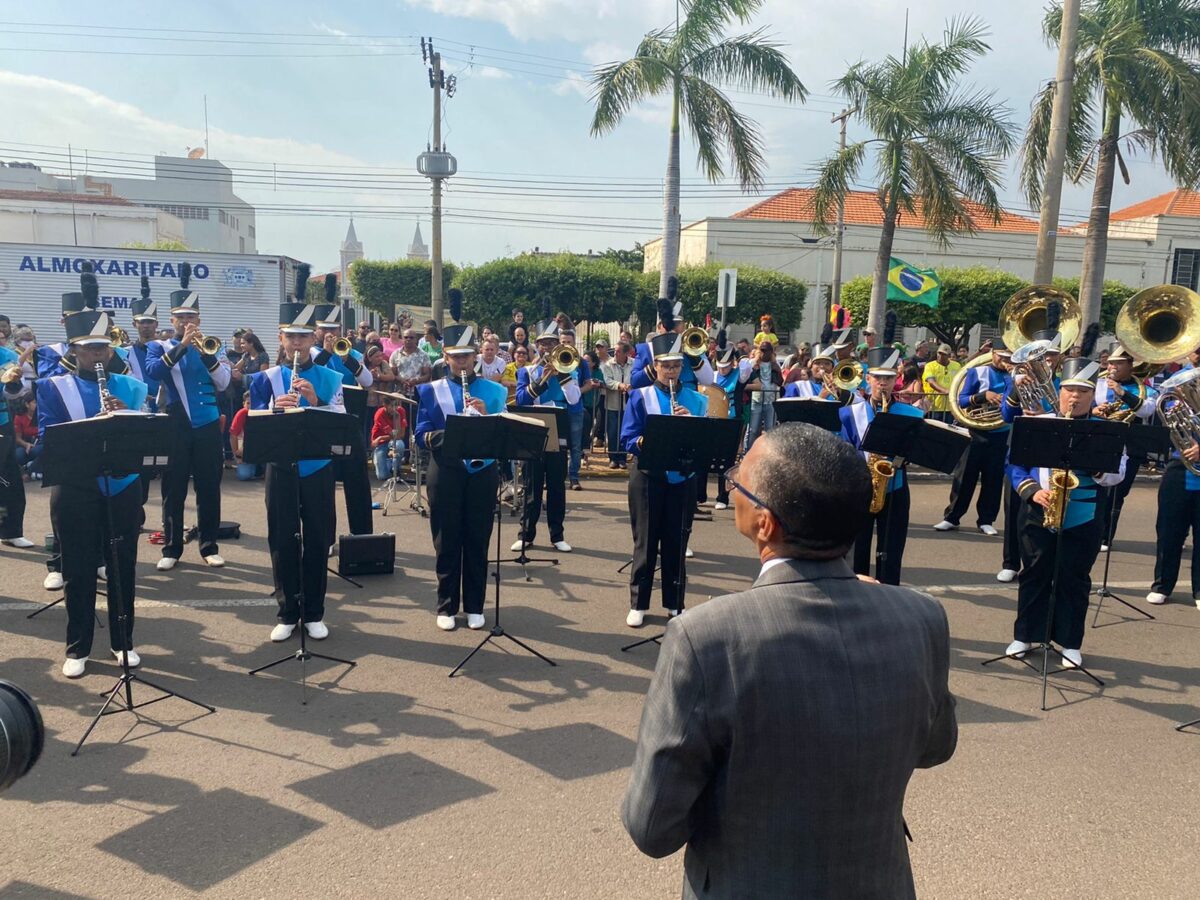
[(468, 409), (295, 371), (106, 397)]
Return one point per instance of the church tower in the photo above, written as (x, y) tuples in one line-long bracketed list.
[(352, 249), (418, 248)]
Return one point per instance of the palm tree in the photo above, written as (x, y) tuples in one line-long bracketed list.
[(938, 148), (1134, 66), (693, 62)]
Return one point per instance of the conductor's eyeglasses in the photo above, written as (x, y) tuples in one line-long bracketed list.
[(730, 477)]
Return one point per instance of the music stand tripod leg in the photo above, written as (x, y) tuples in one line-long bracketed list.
[(1187, 725), (497, 630), (1103, 592)]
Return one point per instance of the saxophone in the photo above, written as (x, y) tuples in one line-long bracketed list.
[(881, 468), (1062, 482)]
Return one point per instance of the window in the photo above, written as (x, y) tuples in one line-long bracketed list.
[(1186, 268), (185, 212), (241, 245), (252, 234)]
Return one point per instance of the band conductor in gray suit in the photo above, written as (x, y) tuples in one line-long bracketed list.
[(783, 723)]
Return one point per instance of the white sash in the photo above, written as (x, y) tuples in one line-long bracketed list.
[(279, 386), (444, 398), (72, 399), (860, 412), (653, 402)]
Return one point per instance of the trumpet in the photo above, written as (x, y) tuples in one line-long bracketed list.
[(118, 336), (342, 347), (208, 345), (10, 373), (695, 342)]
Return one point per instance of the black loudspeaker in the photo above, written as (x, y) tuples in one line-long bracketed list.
[(366, 554), (226, 531)]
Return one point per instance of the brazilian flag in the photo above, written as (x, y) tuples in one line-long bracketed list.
[(908, 284)]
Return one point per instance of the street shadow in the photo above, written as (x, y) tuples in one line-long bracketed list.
[(27, 891), (388, 790), (235, 831), (569, 752)]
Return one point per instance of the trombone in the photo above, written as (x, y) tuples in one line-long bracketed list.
[(563, 358), (695, 341)]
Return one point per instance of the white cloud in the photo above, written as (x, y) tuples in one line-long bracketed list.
[(573, 83), (490, 72), (570, 20)]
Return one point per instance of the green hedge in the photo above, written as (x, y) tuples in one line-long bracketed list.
[(970, 296), (381, 285)]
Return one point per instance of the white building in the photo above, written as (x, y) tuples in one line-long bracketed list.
[(418, 249), (94, 220), (1150, 243), (197, 192)]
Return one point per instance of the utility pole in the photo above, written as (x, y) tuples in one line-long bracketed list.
[(436, 164), (1056, 153), (835, 286)]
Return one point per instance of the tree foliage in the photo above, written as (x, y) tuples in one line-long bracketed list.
[(634, 260), (157, 245), (759, 292), (381, 285), (969, 296)]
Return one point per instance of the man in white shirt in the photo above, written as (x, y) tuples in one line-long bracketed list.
[(490, 365)]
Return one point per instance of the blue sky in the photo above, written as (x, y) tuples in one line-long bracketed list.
[(336, 97)]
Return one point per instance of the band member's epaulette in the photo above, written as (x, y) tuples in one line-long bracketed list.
[(1012, 401), (1028, 488)]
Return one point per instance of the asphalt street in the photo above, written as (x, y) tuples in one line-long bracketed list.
[(506, 782)]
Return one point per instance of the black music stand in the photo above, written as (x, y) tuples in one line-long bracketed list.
[(688, 445), (1051, 442), (559, 434), (923, 442), (284, 438), (824, 414), (118, 444), (1141, 443), (508, 438)]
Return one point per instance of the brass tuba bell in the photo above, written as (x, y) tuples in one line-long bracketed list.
[(1025, 313), (978, 418), (1160, 324)]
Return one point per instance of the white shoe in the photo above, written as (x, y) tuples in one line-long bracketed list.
[(688, 554), (1017, 649), (945, 525), (318, 631), (1071, 659), (215, 560), (988, 530), (73, 668), (475, 621), (520, 545), (53, 582), (1104, 548), (21, 543), (134, 659), (635, 618), (1155, 598), (720, 505), (446, 623), (282, 632), (167, 563), (672, 613), (102, 573), (1006, 575), (562, 547)]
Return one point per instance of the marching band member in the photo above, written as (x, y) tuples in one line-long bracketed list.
[(1081, 534), (731, 374), (697, 369), (77, 507), (661, 506), (462, 493), (350, 368), (888, 526), (145, 321), (12, 486), (298, 572), (1011, 407), (1122, 395), (542, 385), (983, 463), (1178, 514), (818, 387), (191, 378)]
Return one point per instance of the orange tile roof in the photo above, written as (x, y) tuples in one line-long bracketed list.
[(795, 205), (1173, 203)]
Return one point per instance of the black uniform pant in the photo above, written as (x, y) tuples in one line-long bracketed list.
[(890, 528), (299, 570), (356, 484), (1178, 513), (983, 462), (549, 472), (1114, 501), (81, 522), (196, 454), (658, 514), (462, 513), (1012, 528), (12, 491), (1080, 545)]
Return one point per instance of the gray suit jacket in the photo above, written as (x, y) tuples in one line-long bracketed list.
[(780, 731)]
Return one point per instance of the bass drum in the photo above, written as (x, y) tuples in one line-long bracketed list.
[(718, 400)]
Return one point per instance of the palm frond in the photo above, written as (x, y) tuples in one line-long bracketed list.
[(738, 132), (704, 20), (617, 87), (942, 206), (748, 62), (834, 181)]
